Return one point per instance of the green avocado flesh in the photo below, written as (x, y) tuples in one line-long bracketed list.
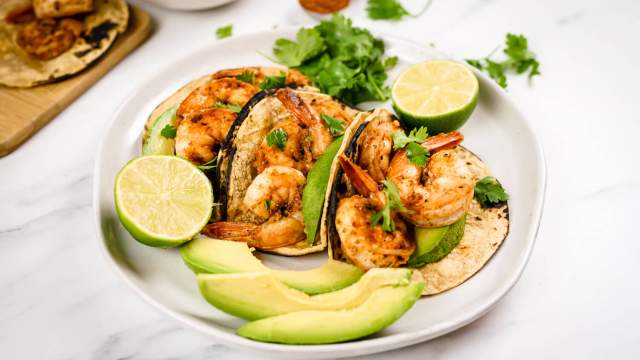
[(435, 243), (255, 296), (156, 144), (383, 307), (206, 255), (315, 189)]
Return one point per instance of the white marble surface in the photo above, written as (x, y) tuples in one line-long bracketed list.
[(578, 298)]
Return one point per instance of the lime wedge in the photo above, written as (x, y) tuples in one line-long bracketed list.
[(163, 200), (438, 94)]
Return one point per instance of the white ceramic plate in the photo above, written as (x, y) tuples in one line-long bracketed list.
[(497, 132)]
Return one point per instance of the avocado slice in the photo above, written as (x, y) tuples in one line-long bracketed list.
[(436, 243), (156, 144), (315, 190), (206, 255), (381, 309), (258, 295)]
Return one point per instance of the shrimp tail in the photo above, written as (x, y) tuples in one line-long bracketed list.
[(443, 141), (230, 230), (360, 179), (296, 106)]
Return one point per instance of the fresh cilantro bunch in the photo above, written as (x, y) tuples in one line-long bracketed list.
[(488, 192), (417, 154), (519, 59), (342, 60), (393, 203)]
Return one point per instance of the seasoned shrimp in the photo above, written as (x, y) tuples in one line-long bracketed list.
[(296, 152), (321, 137), (366, 246), (199, 136), (434, 196), (321, 104), (274, 197), (226, 90), (375, 145)]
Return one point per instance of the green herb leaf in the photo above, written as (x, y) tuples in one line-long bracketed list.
[(393, 202), (232, 107), (209, 165), (271, 82), (489, 192), (335, 126), (224, 31), (308, 44), (342, 60), (385, 10), (417, 154), (400, 139), (168, 131), (519, 59), (277, 138), (267, 203), (390, 62), (246, 76)]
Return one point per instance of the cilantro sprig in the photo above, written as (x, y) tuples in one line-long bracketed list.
[(232, 107), (277, 138), (246, 76), (489, 192), (390, 10), (519, 60), (415, 152), (342, 60), (271, 82), (393, 202), (335, 126), (168, 131), (224, 31)]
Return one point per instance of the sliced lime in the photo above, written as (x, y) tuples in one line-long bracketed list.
[(163, 200), (438, 94)]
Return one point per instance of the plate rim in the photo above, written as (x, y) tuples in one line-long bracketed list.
[(357, 347)]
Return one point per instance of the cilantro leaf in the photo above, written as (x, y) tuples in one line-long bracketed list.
[(393, 202), (400, 139), (224, 31), (209, 165), (271, 82), (232, 107), (308, 44), (489, 192), (246, 76), (496, 72), (168, 131), (267, 203), (385, 10), (390, 62), (335, 126), (277, 138), (342, 60), (519, 59), (417, 154)]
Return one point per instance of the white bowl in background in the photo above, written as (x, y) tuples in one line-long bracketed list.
[(189, 4)]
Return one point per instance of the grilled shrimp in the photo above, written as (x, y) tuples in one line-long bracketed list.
[(199, 136), (321, 137), (296, 153), (442, 198), (375, 145), (223, 87), (366, 246), (274, 197), (434, 196)]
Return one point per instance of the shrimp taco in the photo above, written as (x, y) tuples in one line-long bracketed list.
[(407, 200), (45, 40), (274, 167)]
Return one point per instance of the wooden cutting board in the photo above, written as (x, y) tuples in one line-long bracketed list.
[(25, 111)]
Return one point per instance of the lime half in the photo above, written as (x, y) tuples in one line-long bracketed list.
[(162, 200), (438, 94)]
